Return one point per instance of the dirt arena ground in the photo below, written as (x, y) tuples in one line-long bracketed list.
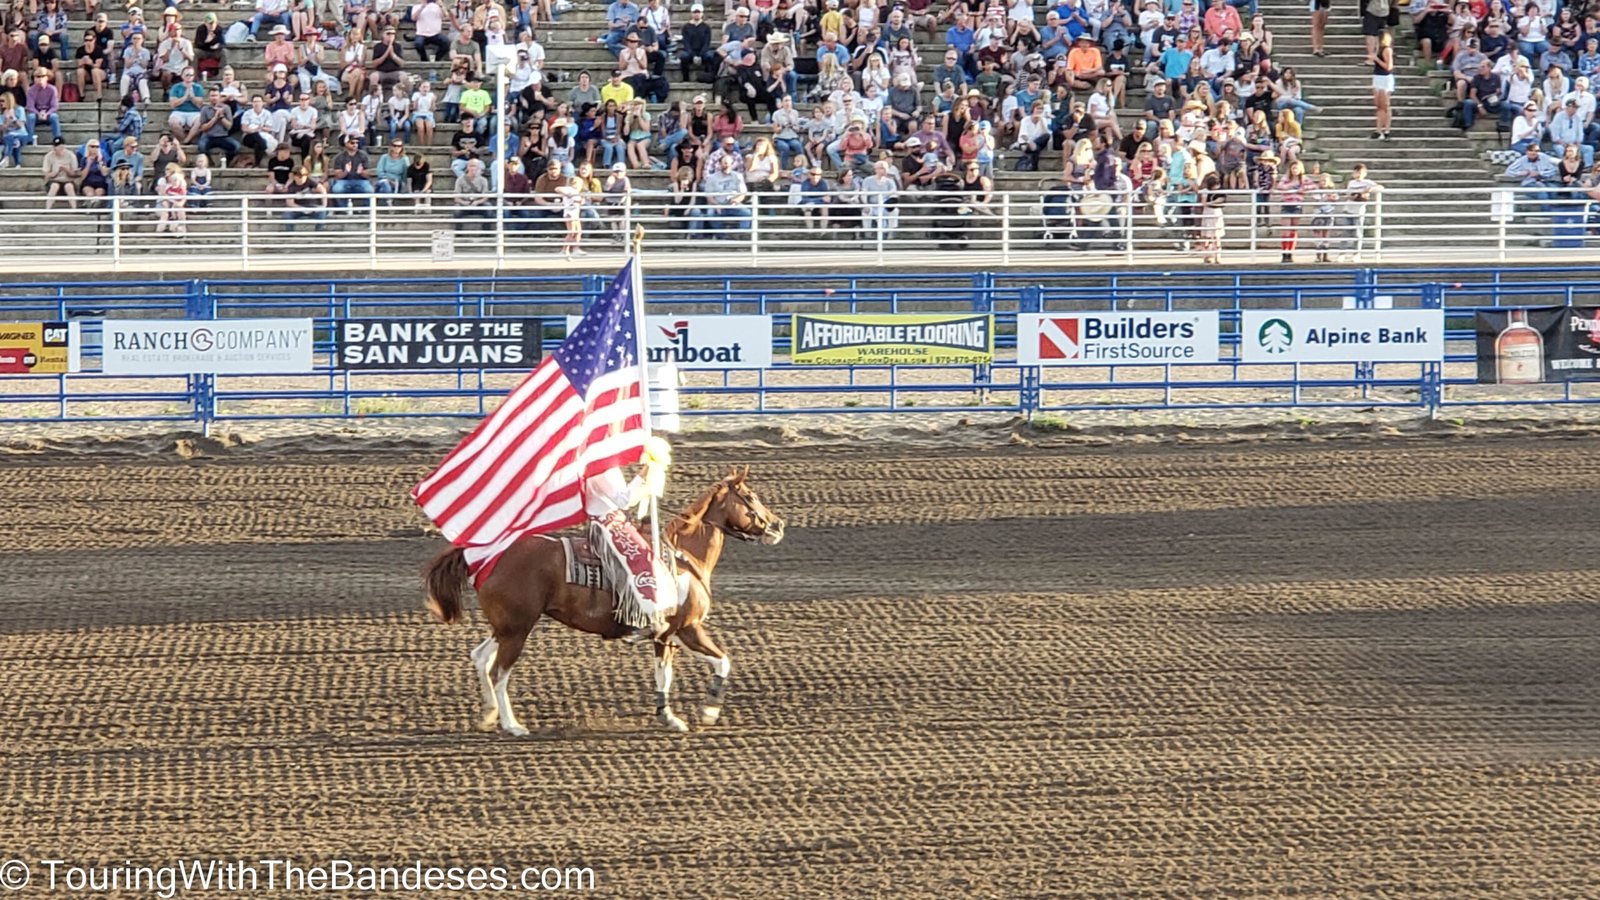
[(1315, 668)]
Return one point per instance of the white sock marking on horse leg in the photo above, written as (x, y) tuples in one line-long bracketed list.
[(508, 719), (483, 660), (664, 713), (663, 675)]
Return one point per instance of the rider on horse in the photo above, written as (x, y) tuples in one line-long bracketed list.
[(647, 592)]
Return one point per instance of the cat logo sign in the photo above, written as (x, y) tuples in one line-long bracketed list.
[(39, 348)]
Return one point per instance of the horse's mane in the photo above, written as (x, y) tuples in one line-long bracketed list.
[(690, 519)]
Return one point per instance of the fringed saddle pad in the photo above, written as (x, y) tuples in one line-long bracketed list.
[(583, 567)]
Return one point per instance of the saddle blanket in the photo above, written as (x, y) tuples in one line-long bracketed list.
[(583, 567)]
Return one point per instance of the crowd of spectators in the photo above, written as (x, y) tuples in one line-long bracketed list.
[(1534, 70), (844, 110)]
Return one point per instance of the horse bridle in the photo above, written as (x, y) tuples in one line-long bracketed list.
[(762, 522)]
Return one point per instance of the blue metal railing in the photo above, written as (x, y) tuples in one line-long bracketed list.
[(1004, 386)]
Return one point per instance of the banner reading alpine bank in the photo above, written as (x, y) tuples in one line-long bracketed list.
[(706, 342), (1341, 335), (224, 347), (898, 339), (1116, 338)]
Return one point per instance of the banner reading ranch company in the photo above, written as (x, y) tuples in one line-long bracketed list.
[(40, 348), (707, 342), (1341, 335), (1116, 339), (893, 340), (225, 347), (437, 343), (1529, 346)]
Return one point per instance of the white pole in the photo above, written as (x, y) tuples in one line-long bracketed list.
[(498, 179), (644, 375)]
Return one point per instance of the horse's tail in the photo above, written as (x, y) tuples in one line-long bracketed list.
[(444, 577)]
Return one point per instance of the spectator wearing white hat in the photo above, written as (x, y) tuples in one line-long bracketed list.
[(696, 47)]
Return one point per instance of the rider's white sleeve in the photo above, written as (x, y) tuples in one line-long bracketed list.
[(607, 491)]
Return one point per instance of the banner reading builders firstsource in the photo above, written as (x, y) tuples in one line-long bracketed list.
[(1116, 339), (893, 340)]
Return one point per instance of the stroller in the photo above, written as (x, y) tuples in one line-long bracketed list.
[(1079, 219)]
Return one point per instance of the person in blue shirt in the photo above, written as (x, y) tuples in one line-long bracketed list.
[(1073, 18), (960, 36), (1589, 60), (621, 15), (1535, 169), (1175, 61), (830, 46), (1054, 38)]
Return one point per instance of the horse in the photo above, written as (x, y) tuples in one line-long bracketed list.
[(530, 581)]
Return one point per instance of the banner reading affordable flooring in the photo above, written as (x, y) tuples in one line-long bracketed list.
[(893, 340), (40, 348), (1341, 335), (1529, 346)]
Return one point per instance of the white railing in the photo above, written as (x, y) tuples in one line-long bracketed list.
[(1055, 226)]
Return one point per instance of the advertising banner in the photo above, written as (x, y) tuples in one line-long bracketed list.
[(893, 340), (225, 347), (707, 342), (1117, 339), (40, 348), (1530, 346), (442, 343), (1341, 335)]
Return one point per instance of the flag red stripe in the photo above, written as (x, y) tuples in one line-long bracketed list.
[(518, 433)]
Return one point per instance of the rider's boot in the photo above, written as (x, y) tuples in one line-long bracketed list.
[(638, 635)]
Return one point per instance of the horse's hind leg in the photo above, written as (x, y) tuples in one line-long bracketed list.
[(696, 640), (664, 714), (483, 657), (509, 648)]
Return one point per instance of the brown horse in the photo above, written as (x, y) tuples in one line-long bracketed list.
[(530, 581)]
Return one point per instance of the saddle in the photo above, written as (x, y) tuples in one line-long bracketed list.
[(583, 568)]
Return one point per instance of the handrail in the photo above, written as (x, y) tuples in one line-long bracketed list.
[(261, 232)]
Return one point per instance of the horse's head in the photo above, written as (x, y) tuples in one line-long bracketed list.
[(737, 510)]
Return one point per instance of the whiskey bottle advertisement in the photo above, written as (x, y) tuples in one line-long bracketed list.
[(1538, 344), (1518, 351)]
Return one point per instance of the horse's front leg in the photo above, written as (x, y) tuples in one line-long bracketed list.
[(697, 642), (664, 714)]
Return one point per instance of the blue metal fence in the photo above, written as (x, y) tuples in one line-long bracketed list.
[(1004, 386)]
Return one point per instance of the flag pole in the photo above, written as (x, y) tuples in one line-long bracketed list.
[(644, 374)]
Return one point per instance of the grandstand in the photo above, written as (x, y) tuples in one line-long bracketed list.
[(1423, 151)]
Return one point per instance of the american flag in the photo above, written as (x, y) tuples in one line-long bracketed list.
[(578, 413)]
